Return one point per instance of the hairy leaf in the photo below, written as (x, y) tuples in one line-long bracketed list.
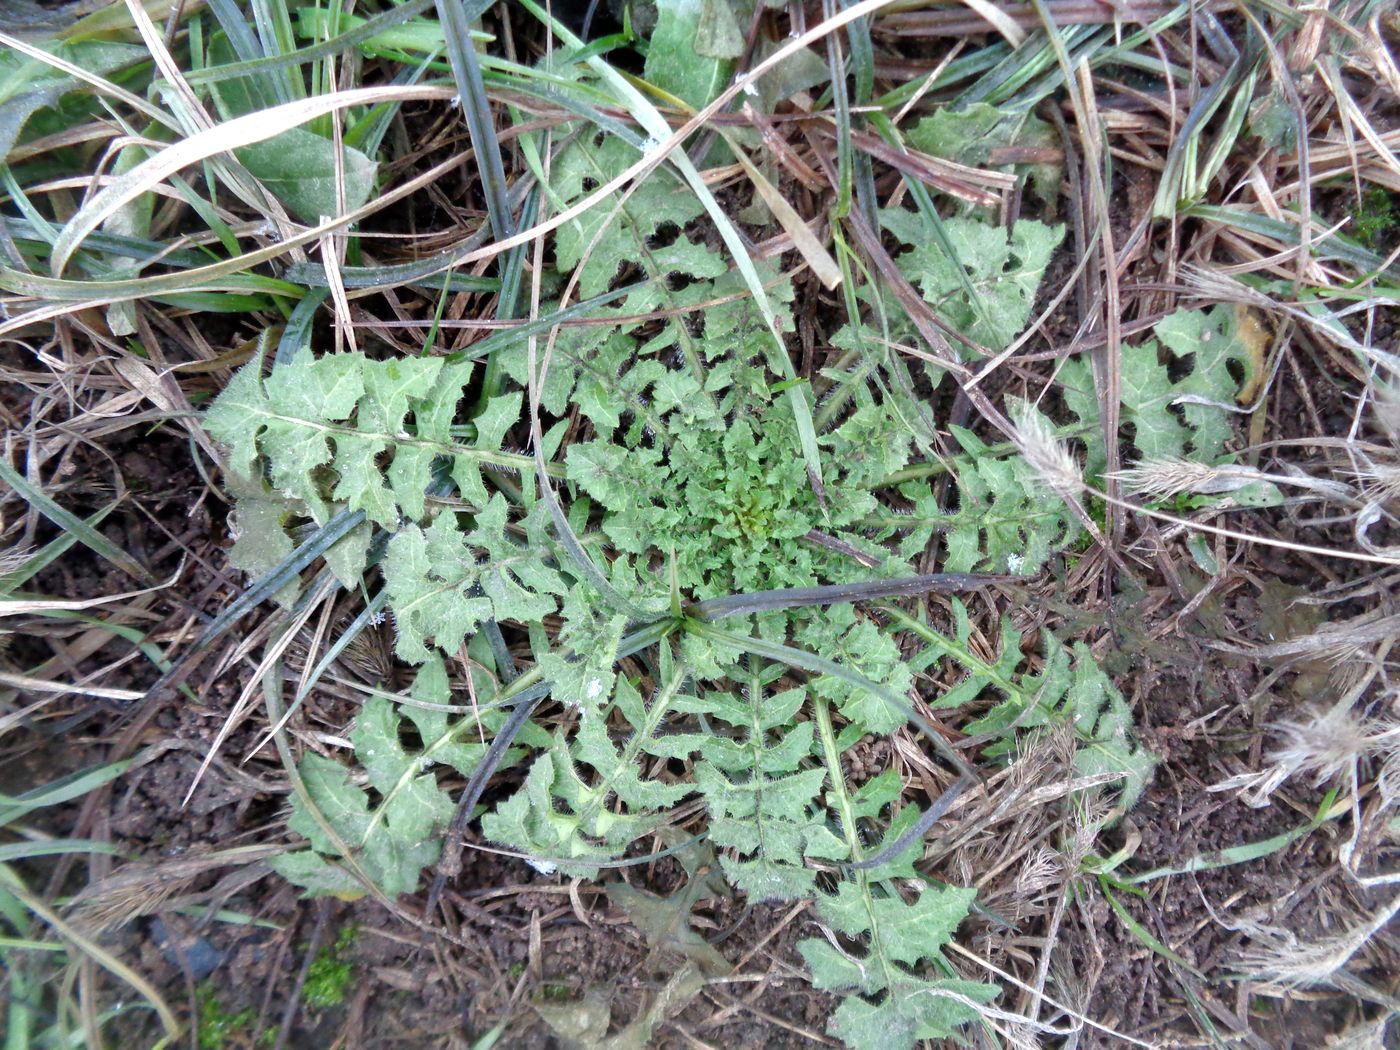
[(1062, 691), (983, 135), (1004, 271), (583, 804), (763, 805), (443, 581), (392, 862), (1004, 519), (662, 203), (326, 424), (299, 167), (392, 825), (893, 1005), (1175, 394), (693, 48)]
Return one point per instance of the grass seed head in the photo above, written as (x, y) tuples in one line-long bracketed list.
[(1380, 481), (1325, 748), (1166, 477), (1044, 450), (1276, 956)]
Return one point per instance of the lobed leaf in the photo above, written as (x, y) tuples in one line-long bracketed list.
[(891, 1006), (1176, 394), (1005, 271), (392, 824), (443, 581)]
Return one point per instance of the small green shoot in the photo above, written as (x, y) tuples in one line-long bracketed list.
[(218, 1027), (331, 972), (1376, 217)]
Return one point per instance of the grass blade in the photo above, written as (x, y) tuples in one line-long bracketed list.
[(476, 108), (832, 594), (75, 526)]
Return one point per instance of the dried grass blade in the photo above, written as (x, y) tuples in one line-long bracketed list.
[(803, 239), (222, 138)]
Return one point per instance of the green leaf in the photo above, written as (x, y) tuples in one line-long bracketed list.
[(28, 85), (662, 202), (349, 557), (1003, 520), (914, 1010), (1185, 417), (393, 863), (980, 135), (443, 581), (1079, 693), (515, 578), (864, 648), (298, 166), (327, 425), (910, 931), (764, 806), (800, 71), (693, 48), (600, 469), (500, 414), (1273, 119), (1005, 271), (585, 801), (430, 577), (316, 874), (261, 542), (395, 833), (1103, 721), (665, 921), (890, 1006), (585, 677), (413, 804)]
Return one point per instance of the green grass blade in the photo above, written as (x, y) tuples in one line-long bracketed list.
[(512, 335), (1143, 934), (74, 525), (274, 27), (393, 275), (61, 290), (296, 333), (833, 594), (28, 850), (360, 31), (327, 536), (64, 789), (236, 27), (1242, 854), (1332, 246), (42, 559), (476, 108)]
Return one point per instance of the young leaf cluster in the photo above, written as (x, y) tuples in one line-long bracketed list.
[(684, 480)]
